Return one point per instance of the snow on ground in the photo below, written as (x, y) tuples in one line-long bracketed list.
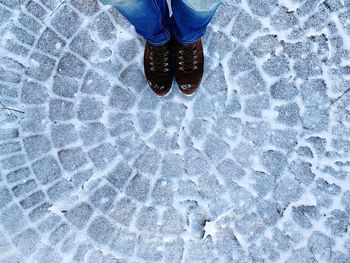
[(253, 168)]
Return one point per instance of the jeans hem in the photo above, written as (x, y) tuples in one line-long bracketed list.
[(161, 43)]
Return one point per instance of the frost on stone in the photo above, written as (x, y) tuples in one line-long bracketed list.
[(253, 168)]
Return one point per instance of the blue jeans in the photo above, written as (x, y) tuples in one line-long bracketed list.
[(151, 18)]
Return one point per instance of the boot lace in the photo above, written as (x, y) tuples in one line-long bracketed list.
[(187, 57), (159, 59)]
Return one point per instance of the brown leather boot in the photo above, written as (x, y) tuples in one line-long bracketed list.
[(189, 66), (158, 68)]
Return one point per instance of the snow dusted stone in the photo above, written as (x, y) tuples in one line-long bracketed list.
[(241, 61), (147, 219), (172, 114), (173, 221), (148, 161), (226, 127), (72, 158), (63, 134), (148, 250), (79, 214), (315, 119), (301, 218), (119, 175), (90, 109), (65, 86), (262, 45), (128, 49), (296, 50), (71, 66), (133, 77), (10, 147), (338, 222), (88, 7), (36, 9), (25, 20), (60, 110), (27, 241), (84, 45), (66, 21), (93, 133), (288, 114), (50, 43), (287, 190), (209, 186), (104, 197), (60, 190), (138, 187), (215, 148), (165, 140), (41, 66), (251, 82), (254, 105), (264, 183), (22, 35), (219, 42), (172, 165), (314, 93), (302, 172), (104, 27), (47, 253), (19, 174), (13, 161), (203, 107), (124, 242), (285, 139), (25, 188), (123, 211), (320, 244), (256, 131), (230, 171), (102, 155), (4, 15), (101, 230), (318, 20), (276, 66), (163, 192), (33, 199), (36, 145), (121, 98), (283, 19), (5, 196), (283, 90), (308, 66), (225, 13), (274, 161), (215, 81), (245, 25), (262, 8), (46, 170), (301, 255), (146, 121), (95, 84)]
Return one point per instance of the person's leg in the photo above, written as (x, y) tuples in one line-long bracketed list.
[(188, 23), (190, 18), (149, 17), (151, 20)]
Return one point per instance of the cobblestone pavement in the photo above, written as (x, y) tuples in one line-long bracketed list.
[(253, 168)]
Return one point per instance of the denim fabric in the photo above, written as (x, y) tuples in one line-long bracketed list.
[(151, 18)]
